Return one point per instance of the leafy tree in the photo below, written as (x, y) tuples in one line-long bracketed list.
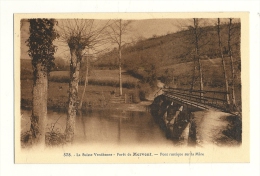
[(41, 50)]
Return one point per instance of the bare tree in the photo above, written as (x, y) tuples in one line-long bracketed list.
[(79, 34), (223, 62), (197, 33), (232, 65), (86, 80), (116, 32)]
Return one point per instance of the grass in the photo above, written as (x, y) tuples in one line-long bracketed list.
[(26, 69), (103, 82), (97, 96), (107, 80), (98, 92), (212, 72), (97, 77), (213, 77), (174, 48)]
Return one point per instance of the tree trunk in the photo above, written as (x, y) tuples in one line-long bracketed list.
[(201, 77), (39, 110), (73, 95), (223, 64), (232, 67), (194, 71), (197, 54), (85, 85), (120, 55), (120, 74)]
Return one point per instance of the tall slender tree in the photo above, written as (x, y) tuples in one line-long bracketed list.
[(234, 106), (195, 39), (116, 31), (197, 34), (41, 50), (223, 64), (86, 81)]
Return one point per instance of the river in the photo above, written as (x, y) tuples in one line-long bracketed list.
[(114, 127)]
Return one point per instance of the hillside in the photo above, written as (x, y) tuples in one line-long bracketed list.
[(168, 58), (147, 56)]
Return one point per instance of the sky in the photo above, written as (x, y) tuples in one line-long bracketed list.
[(138, 29)]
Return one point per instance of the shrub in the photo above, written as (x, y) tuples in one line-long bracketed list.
[(144, 91), (54, 136)]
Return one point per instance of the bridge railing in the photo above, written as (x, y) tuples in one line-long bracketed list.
[(215, 99)]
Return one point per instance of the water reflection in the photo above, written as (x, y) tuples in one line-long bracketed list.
[(109, 127)]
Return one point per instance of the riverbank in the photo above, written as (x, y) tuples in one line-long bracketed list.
[(140, 107), (97, 97)]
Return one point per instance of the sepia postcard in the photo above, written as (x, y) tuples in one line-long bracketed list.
[(132, 88)]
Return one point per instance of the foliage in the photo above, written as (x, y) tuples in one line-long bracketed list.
[(167, 76), (143, 91), (26, 139), (40, 42), (54, 136)]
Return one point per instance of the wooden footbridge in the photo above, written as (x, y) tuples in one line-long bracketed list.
[(203, 100), (179, 112)]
